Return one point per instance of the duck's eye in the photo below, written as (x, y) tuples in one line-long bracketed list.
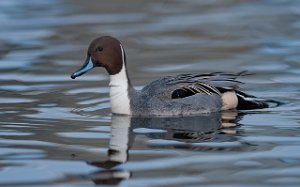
[(99, 49)]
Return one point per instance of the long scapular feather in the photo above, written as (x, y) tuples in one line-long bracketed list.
[(201, 89), (211, 88)]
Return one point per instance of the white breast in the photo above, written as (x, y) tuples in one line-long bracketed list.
[(120, 103)]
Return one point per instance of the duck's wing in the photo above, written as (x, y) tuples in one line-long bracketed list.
[(212, 83), (185, 85)]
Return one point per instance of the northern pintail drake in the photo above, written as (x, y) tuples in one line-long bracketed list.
[(184, 94)]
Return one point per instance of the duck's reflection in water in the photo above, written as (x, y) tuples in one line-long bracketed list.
[(184, 130), (121, 137)]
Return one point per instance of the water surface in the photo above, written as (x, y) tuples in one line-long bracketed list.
[(55, 131)]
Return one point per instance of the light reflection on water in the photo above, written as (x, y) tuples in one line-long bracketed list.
[(55, 131)]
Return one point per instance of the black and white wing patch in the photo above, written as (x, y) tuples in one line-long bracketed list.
[(197, 88)]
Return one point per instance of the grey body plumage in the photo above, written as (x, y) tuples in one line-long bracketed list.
[(156, 97)]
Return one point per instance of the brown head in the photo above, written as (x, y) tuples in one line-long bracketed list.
[(106, 52)]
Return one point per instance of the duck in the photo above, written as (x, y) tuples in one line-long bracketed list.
[(187, 94)]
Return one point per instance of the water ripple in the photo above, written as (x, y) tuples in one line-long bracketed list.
[(60, 132)]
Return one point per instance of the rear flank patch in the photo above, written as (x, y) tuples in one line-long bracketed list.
[(229, 100)]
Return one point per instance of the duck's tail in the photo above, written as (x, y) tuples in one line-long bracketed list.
[(249, 102)]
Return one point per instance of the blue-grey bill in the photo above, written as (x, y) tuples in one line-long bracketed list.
[(85, 68)]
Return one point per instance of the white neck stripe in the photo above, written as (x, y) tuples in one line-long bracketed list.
[(123, 55)]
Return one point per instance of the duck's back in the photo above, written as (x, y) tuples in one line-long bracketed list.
[(185, 94)]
